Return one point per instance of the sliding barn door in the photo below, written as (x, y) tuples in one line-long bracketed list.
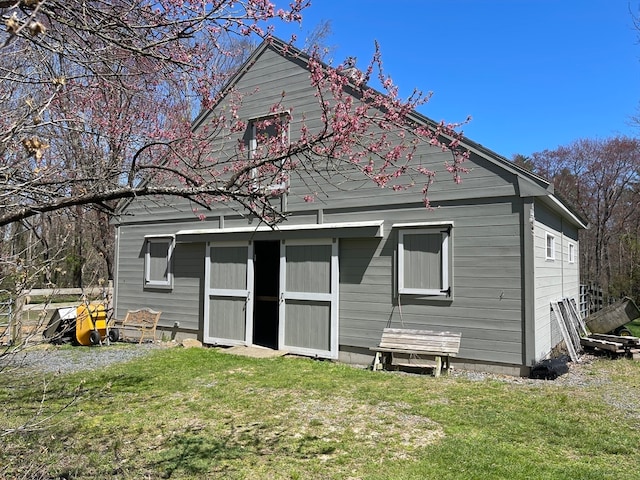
[(228, 309), (308, 308)]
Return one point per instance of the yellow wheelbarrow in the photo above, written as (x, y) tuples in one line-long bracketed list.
[(91, 325)]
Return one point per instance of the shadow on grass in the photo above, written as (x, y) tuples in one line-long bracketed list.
[(195, 453), (125, 382), (30, 399), (199, 451)]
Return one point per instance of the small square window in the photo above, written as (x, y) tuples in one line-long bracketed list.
[(550, 247), (572, 253), (157, 262), (423, 261)]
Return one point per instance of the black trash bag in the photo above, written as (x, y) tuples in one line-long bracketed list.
[(550, 369)]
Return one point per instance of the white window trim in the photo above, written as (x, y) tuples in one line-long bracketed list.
[(549, 237), (423, 224), (571, 252), (253, 147), (444, 230), (165, 239)]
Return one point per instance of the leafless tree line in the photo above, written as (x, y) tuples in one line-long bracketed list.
[(601, 180)]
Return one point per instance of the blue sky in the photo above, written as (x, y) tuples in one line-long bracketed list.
[(533, 74)]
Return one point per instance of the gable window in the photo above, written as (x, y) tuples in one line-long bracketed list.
[(572, 253), (269, 139), (550, 251), (424, 261), (157, 262)]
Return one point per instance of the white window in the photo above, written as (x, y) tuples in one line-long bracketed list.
[(269, 139), (424, 266), (550, 247), (572, 253), (157, 262)]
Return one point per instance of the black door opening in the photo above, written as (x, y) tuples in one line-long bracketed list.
[(266, 264)]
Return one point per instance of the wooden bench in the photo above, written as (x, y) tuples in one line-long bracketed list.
[(142, 321), (441, 345)]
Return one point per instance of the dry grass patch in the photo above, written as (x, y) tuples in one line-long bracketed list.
[(343, 421)]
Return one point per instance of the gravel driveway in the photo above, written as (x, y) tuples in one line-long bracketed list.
[(52, 359)]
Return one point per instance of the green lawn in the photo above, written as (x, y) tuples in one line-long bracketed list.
[(634, 327), (198, 413)]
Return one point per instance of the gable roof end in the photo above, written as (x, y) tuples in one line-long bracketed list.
[(529, 184)]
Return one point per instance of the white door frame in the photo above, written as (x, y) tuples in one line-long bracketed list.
[(331, 298), (246, 293)]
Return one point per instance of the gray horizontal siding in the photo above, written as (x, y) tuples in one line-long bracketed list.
[(183, 303), (487, 281), (263, 85), (151, 210), (554, 279), (361, 191), (486, 306)]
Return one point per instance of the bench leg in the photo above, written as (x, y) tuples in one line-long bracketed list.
[(377, 364), (438, 369), (446, 365)]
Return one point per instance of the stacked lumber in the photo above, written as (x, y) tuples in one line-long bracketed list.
[(613, 344)]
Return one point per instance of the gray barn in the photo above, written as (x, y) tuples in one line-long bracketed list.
[(487, 260)]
